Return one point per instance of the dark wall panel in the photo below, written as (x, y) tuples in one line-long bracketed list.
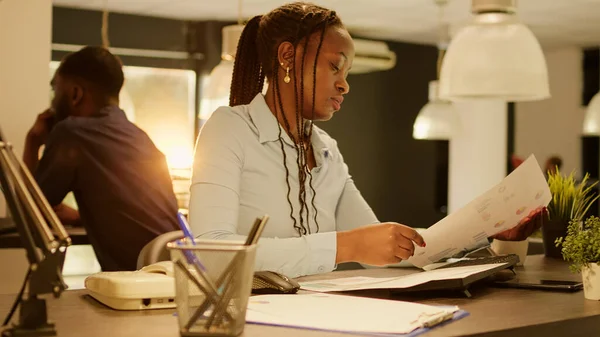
[(395, 173)]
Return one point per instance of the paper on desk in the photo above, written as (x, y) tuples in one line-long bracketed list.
[(342, 313), (498, 209), (401, 282)]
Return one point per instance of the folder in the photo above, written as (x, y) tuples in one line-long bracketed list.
[(349, 314)]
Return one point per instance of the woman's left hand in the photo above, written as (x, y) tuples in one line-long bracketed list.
[(525, 228)]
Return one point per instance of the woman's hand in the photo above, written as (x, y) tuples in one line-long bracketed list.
[(378, 245), (525, 228)]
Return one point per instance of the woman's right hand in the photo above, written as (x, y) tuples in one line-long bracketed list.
[(378, 245)]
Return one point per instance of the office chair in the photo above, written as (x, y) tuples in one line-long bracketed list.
[(156, 250)]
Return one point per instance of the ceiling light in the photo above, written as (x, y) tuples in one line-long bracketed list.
[(437, 120), (217, 87), (494, 57), (591, 122)]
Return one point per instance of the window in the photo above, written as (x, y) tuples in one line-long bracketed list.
[(161, 102)]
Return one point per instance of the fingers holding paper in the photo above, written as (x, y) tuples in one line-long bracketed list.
[(409, 233), (378, 245), (405, 239)]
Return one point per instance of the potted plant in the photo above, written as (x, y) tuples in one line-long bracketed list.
[(581, 247), (570, 202)]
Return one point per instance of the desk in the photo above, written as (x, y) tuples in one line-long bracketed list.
[(78, 236), (493, 312)]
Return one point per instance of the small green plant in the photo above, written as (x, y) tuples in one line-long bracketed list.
[(581, 246), (570, 200)]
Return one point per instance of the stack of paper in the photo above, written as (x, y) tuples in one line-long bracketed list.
[(400, 282), (345, 313)]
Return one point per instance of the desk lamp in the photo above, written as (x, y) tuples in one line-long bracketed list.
[(32, 214)]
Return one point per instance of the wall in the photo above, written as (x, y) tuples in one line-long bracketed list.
[(394, 172), (25, 28), (553, 126), (125, 31)]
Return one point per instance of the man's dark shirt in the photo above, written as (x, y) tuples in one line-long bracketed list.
[(120, 180)]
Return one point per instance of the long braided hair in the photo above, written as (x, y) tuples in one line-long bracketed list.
[(256, 59)]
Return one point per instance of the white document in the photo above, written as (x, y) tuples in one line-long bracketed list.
[(498, 209), (344, 313), (401, 282)]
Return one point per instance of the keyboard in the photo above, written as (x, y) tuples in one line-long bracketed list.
[(511, 259), (463, 283)]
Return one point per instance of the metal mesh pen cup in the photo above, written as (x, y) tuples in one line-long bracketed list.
[(213, 280)]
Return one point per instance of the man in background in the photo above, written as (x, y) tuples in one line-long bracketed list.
[(553, 164), (119, 178)]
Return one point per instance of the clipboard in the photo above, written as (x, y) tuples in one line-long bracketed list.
[(349, 314)]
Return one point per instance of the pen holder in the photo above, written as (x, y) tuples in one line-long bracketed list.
[(213, 281)]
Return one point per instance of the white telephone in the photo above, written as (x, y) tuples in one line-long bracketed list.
[(152, 287)]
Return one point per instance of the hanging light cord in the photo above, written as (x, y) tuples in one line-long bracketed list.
[(442, 35), (240, 20), (104, 29)]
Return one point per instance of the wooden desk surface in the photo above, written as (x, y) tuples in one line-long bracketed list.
[(493, 312), (78, 237)]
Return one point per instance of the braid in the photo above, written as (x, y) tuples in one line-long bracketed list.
[(301, 159), (248, 78), (299, 228), (310, 129)]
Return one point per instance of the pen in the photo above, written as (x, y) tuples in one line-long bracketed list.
[(187, 233), (185, 227), (206, 286)]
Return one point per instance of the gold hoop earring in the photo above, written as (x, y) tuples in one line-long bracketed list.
[(287, 78)]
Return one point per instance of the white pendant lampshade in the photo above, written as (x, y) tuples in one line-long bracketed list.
[(494, 57), (591, 122), (216, 91), (437, 120)]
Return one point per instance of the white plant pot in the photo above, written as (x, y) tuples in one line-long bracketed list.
[(591, 281), (511, 247)]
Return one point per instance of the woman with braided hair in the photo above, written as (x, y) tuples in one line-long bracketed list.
[(262, 154)]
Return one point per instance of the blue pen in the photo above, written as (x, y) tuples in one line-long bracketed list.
[(190, 256), (187, 232), (185, 227)]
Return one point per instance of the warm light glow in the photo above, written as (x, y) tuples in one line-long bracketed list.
[(177, 147), (165, 100), (179, 157)]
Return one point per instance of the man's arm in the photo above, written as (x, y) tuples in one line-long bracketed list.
[(54, 173), (67, 215), (31, 153), (36, 137)]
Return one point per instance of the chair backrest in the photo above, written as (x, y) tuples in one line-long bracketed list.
[(156, 250)]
